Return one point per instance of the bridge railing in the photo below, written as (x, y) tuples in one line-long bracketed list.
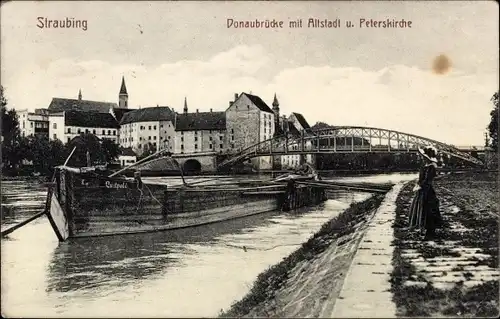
[(342, 139)]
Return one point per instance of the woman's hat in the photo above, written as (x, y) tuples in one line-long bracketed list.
[(429, 152)]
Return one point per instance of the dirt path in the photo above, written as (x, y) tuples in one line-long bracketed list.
[(458, 274)]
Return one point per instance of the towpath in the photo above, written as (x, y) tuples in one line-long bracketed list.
[(396, 274), (366, 289)]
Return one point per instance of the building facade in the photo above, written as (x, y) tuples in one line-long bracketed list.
[(151, 128), (249, 120), (66, 125), (34, 123), (201, 132)]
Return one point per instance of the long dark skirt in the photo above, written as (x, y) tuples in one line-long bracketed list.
[(424, 210)]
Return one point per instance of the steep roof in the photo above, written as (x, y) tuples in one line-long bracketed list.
[(259, 103), (302, 120), (62, 104), (148, 114), (89, 119), (123, 88), (292, 129), (120, 112), (201, 121), (128, 152)]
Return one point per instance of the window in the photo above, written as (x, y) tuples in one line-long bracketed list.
[(93, 131), (220, 138), (195, 146), (114, 132), (68, 139), (161, 137), (232, 137), (210, 146), (169, 137), (109, 132), (182, 146), (232, 131), (139, 146), (86, 130), (79, 131), (182, 138), (232, 145), (154, 127), (149, 138), (140, 138), (69, 129), (55, 136), (54, 126), (210, 138), (161, 126), (196, 138), (265, 130), (149, 127), (154, 137), (220, 145), (182, 133), (32, 124), (210, 131), (195, 132)]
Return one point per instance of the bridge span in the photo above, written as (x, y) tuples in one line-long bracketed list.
[(345, 139)]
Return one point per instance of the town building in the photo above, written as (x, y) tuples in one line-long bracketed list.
[(66, 125), (68, 118), (199, 132), (34, 123), (295, 127), (151, 128), (127, 157), (249, 120)]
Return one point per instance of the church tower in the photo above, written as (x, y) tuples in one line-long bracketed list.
[(80, 95), (123, 96), (276, 111)]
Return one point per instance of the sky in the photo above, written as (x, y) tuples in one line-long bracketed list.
[(342, 76)]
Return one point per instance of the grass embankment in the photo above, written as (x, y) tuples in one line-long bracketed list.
[(454, 275), (263, 292)]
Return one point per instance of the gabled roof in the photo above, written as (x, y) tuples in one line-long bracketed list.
[(201, 121), (302, 120), (258, 102), (89, 119), (120, 112), (292, 129), (62, 104), (148, 114), (128, 152)]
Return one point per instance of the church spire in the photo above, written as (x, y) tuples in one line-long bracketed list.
[(185, 105), (80, 94), (123, 95), (276, 104), (123, 88)]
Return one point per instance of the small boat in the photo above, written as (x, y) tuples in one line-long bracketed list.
[(82, 202)]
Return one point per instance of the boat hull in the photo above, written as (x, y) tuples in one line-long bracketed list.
[(98, 206)]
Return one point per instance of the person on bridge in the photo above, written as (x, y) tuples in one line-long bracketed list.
[(424, 209)]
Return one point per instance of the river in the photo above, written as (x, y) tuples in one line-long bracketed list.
[(192, 272)]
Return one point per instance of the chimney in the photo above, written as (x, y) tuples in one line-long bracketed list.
[(230, 103), (210, 110), (196, 110), (235, 96)]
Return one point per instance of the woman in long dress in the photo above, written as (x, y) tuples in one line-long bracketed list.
[(424, 209)]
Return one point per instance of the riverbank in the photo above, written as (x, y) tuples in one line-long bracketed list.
[(456, 275), (304, 281)]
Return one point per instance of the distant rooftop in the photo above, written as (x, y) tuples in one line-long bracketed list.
[(148, 114), (201, 121), (63, 104)]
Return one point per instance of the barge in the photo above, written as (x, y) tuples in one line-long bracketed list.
[(83, 203)]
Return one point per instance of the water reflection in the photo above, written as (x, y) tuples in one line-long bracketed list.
[(187, 272)]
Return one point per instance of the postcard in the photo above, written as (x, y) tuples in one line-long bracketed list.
[(249, 159)]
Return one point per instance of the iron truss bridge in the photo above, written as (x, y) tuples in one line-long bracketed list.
[(345, 139)]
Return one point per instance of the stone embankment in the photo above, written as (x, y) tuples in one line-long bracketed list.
[(308, 282), (365, 263)]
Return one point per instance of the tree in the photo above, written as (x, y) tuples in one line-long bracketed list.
[(493, 126), (149, 149), (11, 138), (110, 150)]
